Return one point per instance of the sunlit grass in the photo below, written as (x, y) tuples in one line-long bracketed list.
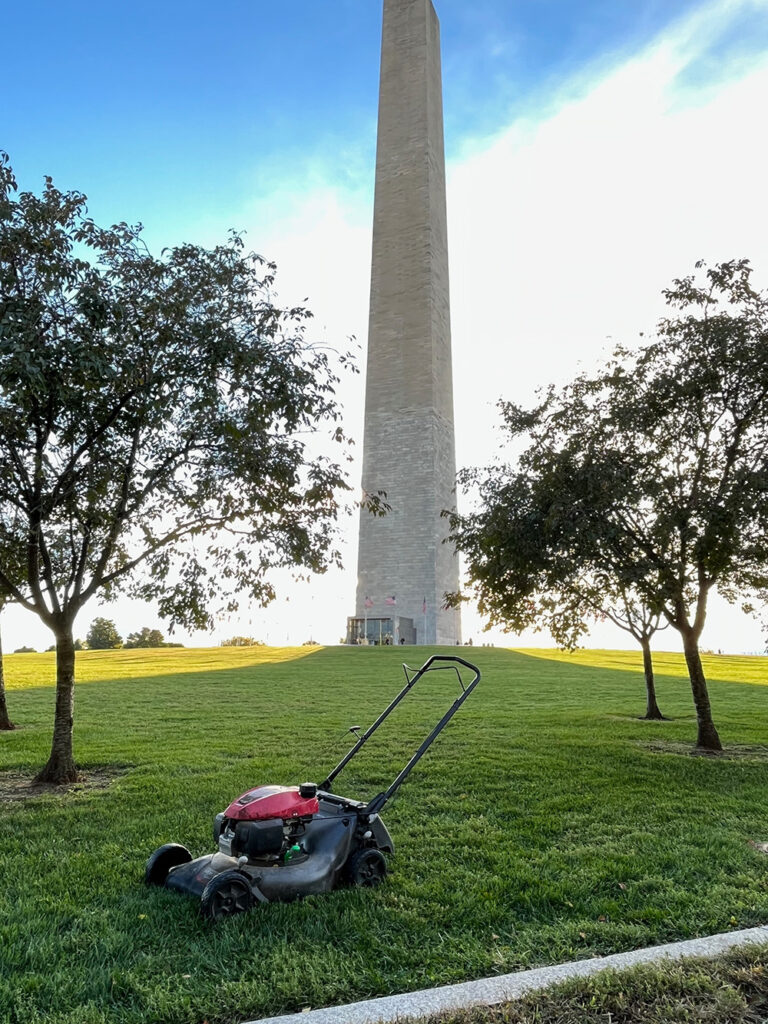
[(734, 668), (540, 828), (27, 670)]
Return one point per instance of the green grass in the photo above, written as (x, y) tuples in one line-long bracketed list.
[(540, 828), (730, 990)]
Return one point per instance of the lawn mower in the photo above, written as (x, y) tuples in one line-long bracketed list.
[(279, 843)]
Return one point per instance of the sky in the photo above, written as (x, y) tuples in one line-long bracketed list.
[(595, 151)]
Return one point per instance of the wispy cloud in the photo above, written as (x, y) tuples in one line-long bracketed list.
[(577, 215)]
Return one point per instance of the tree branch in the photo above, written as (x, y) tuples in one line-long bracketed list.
[(118, 518)]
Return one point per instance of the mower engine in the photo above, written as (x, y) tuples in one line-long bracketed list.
[(267, 823), (277, 843)]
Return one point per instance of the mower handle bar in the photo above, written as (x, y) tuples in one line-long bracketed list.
[(378, 802)]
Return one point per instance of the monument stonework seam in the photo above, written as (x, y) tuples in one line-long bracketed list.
[(404, 568)]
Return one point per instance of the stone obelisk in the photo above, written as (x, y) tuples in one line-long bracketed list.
[(404, 568)]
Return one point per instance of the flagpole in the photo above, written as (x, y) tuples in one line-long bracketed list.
[(390, 602)]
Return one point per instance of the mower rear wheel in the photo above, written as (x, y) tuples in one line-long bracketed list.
[(366, 867), (226, 894), (162, 860)]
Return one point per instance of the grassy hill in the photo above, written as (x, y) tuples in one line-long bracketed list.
[(547, 823)]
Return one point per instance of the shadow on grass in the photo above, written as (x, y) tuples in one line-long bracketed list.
[(228, 710)]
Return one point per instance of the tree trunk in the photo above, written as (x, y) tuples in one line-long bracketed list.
[(61, 766), (5, 722), (652, 710), (708, 738)]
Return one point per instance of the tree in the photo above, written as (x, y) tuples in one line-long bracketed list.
[(103, 636), (145, 637), (5, 722), (654, 473), (634, 617), (527, 575), (242, 641), (585, 601), (156, 423)]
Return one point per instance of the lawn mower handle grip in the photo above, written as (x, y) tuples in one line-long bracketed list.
[(447, 657)]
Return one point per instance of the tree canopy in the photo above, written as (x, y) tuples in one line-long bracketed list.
[(103, 635), (157, 417), (649, 478), (145, 638)]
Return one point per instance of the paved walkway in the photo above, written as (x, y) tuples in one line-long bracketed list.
[(503, 989)]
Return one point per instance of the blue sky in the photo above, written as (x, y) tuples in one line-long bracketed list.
[(595, 151), (163, 111), (174, 114)]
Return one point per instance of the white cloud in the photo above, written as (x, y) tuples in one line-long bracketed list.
[(564, 228)]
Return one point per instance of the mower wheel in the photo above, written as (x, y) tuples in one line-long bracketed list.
[(162, 860), (366, 867), (226, 894)]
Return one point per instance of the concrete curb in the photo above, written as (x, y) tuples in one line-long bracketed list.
[(505, 988)]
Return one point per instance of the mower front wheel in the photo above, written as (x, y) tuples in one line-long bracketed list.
[(162, 860), (366, 867), (226, 894)]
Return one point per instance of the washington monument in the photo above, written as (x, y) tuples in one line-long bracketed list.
[(404, 569)]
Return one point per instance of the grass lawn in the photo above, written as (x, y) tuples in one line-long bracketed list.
[(730, 990), (548, 823)]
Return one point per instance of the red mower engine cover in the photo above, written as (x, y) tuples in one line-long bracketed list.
[(269, 802)]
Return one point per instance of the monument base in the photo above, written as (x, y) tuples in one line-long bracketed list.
[(384, 632)]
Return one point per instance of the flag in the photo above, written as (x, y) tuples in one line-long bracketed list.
[(391, 600), (368, 602), (424, 606)]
